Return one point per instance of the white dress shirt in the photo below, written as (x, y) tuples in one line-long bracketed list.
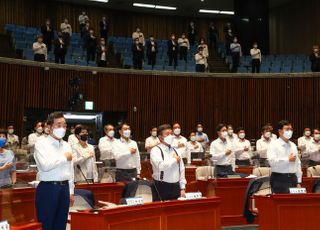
[(40, 48), (255, 54), (180, 140), (218, 151), (106, 148), (302, 143), (200, 59), (262, 146), (123, 156), (204, 136), (278, 158), (273, 136), (232, 139), (151, 141), (184, 42), (32, 139), (195, 147), (172, 172), (83, 18), (313, 150), (81, 156), (12, 138), (66, 28), (239, 146), (52, 163), (72, 140)]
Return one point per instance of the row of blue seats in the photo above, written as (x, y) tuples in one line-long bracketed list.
[(266, 69)]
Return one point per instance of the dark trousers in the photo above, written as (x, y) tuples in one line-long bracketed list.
[(166, 191), (243, 162), (91, 54), (281, 182), (313, 163), (235, 61), (104, 34), (52, 205), (48, 43), (59, 58), (183, 53), (82, 29), (102, 63), (200, 68), (173, 58), (125, 175), (39, 57), (212, 42), (152, 59), (255, 65), (223, 170), (137, 63), (66, 38)]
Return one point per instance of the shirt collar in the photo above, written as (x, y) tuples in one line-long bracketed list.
[(282, 142), (124, 141), (54, 141)]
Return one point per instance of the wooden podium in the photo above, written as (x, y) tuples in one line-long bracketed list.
[(288, 211), (169, 215)]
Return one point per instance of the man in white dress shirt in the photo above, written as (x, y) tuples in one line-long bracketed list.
[(242, 148), (193, 146), (202, 137), (313, 149), (168, 168), (55, 192), (222, 153), (127, 156), (153, 140), (273, 136), (106, 146), (179, 142), (12, 139), (34, 137), (284, 161), (232, 137), (72, 139), (262, 146), (304, 140)]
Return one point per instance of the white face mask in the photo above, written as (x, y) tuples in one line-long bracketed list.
[(10, 131), (154, 133), (39, 130), (200, 129), (288, 134), (177, 131), (47, 130), (230, 132), (59, 132), (224, 134), (316, 137), (127, 133), (267, 135), (242, 135), (111, 133), (307, 133), (193, 138), (168, 139)]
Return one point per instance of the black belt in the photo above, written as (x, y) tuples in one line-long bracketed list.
[(65, 182), (283, 174)]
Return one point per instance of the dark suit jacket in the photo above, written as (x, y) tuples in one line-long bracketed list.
[(172, 45), (149, 47), (47, 35)]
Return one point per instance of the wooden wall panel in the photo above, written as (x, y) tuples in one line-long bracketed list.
[(248, 102), (34, 13)]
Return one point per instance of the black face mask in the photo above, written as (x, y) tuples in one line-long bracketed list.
[(84, 137)]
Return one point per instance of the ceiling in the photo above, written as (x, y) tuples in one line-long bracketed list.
[(184, 7)]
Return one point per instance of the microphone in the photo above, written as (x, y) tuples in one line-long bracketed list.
[(78, 167)]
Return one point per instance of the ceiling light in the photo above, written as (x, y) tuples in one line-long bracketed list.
[(159, 7), (103, 1), (227, 12), (69, 116), (216, 12)]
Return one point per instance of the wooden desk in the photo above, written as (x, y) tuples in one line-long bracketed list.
[(172, 215), (27, 176), (244, 170), (288, 212), (29, 226), (18, 205)]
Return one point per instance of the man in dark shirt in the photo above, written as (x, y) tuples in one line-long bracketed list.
[(104, 28), (60, 49), (213, 35), (137, 54), (48, 34), (173, 51), (152, 50), (315, 59), (91, 45)]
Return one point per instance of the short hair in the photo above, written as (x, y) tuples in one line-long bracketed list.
[(105, 127), (229, 125), (53, 116), (79, 128), (265, 128), (153, 127), (307, 127), (283, 123), (316, 129), (239, 129), (220, 126), (3, 131), (123, 124), (162, 128), (38, 121)]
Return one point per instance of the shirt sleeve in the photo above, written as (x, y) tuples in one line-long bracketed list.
[(104, 147), (273, 158), (158, 162), (119, 152), (215, 154), (45, 162), (182, 181)]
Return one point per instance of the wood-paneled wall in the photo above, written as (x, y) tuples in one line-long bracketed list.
[(294, 27), (35, 12), (249, 102)]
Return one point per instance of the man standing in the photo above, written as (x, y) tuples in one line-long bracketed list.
[(153, 140), (152, 50), (284, 161), (256, 58), (83, 18), (104, 28), (12, 139), (48, 34), (236, 53), (106, 146), (126, 154), (168, 169), (173, 51), (202, 137), (179, 142), (54, 194), (315, 59)]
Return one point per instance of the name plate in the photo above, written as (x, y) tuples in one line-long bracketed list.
[(134, 201), (4, 225), (193, 195), (297, 190)]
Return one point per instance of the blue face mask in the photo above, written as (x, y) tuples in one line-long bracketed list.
[(3, 142)]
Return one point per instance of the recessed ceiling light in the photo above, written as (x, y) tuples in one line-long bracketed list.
[(152, 6), (227, 12), (216, 12), (103, 1)]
